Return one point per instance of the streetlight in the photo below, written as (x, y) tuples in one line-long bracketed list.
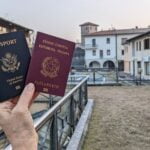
[(140, 74)]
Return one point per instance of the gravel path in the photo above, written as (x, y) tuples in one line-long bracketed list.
[(120, 119)]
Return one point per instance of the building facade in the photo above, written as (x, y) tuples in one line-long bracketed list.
[(137, 56), (100, 52), (7, 26), (105, 49)]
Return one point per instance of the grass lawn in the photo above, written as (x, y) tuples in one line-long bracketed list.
[(120, 119)]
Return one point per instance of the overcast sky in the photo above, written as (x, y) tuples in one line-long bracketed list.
[(63, 17)]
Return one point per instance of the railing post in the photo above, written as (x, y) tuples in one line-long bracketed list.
[(86, 92), (54, 134), (80, 99), (72, 113), (140, 78), (117, 75), (50, 101)]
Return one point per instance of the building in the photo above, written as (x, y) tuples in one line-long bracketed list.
[(137, 56), (86, 29), (9, 26), (105, 49)]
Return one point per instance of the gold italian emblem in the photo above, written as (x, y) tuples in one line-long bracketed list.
[(50, 67), (9, 63)]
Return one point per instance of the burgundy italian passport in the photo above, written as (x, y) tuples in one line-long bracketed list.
[(50, 64), (14, 63)]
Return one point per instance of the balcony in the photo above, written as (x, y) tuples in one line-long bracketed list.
[(90, 46)]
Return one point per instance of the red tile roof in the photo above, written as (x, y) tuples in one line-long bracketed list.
[(120, 32), (139, 36), (10, 24)]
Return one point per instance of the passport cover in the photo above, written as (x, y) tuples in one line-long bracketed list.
[(50, 64), (14, 62)]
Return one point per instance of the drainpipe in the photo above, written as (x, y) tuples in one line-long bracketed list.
[(116, 59)]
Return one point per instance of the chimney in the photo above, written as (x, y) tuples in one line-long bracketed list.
[(136, 27)]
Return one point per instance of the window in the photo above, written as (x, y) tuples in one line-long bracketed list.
[(137, 46), (122, 52), (140, 46), (139, 64), (123, 40), (147, 68), (108, 52), (101, 53), (93, 42), (94, 52), (147, 44), (86, 28), (108, 40)]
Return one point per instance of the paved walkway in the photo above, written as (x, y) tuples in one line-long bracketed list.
[(120, 120)]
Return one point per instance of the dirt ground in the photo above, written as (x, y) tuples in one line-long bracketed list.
[(120, 119)]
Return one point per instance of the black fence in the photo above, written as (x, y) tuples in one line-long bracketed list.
[(107, 76)]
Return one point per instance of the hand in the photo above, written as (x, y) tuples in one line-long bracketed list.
[(16, 120)]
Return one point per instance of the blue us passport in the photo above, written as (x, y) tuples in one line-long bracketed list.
[(14, 62)]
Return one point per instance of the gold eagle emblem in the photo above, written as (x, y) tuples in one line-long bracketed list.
[(50, 67), (9, 63)]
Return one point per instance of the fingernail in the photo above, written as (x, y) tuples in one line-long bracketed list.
[(30, 86)]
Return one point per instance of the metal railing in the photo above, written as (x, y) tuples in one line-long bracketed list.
[(98, 75), (56, 126), (110, 76), (90, 46)]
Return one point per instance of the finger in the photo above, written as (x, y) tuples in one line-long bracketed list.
[(26, 96)]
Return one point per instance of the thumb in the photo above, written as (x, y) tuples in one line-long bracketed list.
[(26, 96)]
